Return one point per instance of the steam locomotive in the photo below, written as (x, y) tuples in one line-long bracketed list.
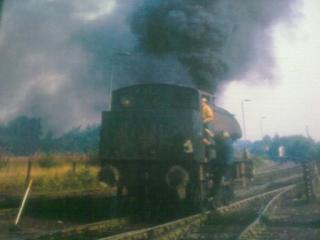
[(152, 146)]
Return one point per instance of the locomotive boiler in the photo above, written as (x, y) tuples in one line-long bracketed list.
[(152, 146)]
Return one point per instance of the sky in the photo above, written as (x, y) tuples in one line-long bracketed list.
[(290, 103), (55, 58)]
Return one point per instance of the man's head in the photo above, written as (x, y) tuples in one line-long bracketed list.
[(204, 101)]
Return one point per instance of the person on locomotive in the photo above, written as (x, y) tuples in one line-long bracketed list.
[(207, 111), (207, 114)]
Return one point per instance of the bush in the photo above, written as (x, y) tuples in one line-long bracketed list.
[(93, 160), (83, 179), (4, 160), (47, 161)]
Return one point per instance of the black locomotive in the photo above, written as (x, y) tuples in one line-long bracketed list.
[(152, 146)]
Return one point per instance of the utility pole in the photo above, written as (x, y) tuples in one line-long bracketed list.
[(261, 125), (243, 118), (307, 131)]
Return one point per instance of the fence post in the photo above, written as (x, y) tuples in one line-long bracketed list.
[(74, 166), (308, 176), (28, 177)]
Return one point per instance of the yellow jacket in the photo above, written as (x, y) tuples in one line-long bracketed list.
[(207, 113)]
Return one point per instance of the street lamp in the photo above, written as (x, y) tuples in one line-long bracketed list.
[(243, 117), (261, 125), (113, 56)]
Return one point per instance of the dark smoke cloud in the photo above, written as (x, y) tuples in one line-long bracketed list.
[(1, 4), (55, 55), (216, 40), (54, 59)]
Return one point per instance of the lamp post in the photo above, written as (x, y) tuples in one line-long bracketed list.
[(243, 117), (113, 56), (261, 125), (307, 132)]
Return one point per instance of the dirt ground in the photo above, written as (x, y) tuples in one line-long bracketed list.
[(28, 227), (295, 219)]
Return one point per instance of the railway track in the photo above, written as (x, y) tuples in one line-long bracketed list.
[(41, 229), (258, 229), (270, 176), (123, 228), (111, 229), (88, 231), (187, 228), (269, 180), (286, 217)]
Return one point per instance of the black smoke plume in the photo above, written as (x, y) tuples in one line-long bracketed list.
[(55, 55), (215, 40), (1, 3)]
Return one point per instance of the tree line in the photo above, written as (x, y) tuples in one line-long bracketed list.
[(297, 148), (24, 136)]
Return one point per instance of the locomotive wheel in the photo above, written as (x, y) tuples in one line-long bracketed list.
[(177, 178), (110, 175)]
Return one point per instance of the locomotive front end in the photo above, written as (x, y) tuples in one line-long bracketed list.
[(151, 142)]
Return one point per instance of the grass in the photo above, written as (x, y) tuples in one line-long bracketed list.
[(260, 162), (317, 181), (317, 189), (50, 173)]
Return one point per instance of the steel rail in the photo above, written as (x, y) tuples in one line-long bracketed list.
[(277, 170), (256, 228), (171, 230), (277, 173), (87, 229), (179, 228), (241, 203)]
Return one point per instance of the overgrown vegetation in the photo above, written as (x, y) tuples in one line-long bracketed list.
[(47, 161), (260, 162), (54, 168), (295, 148), (24, 136), (4, 160), (317, 182), (84, 178), (50, 173), (77, 140), (21, 136)]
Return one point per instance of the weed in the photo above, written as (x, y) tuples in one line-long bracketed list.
[(47, 161), (4, 160), (51, 173)]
